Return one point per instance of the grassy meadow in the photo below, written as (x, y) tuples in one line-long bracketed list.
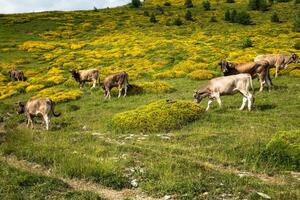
[(221, 154)]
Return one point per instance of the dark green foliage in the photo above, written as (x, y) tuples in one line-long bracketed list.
[(213, 19), (230, 1), (146, 13), (188, 15), (296, 24), (227, 15), (241, 17), (275, 18), (283, 1), (297, 1), (258, 5), (297, 45), (189, 3), (206, 5), (167, 4), (153, 18), (247, 42), (159, 10), (178, 21), (284, 150), (136, 3)]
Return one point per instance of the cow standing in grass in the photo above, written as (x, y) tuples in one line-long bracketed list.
[(227, 85), (36, 107), (258, 69), (119, 80), (17, 75), (279, 61), (82, 76)]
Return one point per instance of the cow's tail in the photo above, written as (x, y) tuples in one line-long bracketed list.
[(52, 109)]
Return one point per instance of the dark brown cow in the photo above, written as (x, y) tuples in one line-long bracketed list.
[(17, 75), (119, 80), (255, 69), (36, 107)]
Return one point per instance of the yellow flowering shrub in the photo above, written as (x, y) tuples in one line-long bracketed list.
[(32, 46), (31, 88), (155, 87), (295, 72), (2, 78), (59, 95), (170, 74), (12, 88), (52, 77), (162, 115), (189, 66), (201, 74)]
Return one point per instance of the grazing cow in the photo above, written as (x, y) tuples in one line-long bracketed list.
[(119, 80), (82, 76), (279, 61), (35, 107), (255, 69), (17, 75), (227, 85)]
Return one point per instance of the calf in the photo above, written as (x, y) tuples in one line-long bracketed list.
[(258, 69), (279, 61), (119, 80), (17, 75), (226, 86), (36, 107), (82, 76)]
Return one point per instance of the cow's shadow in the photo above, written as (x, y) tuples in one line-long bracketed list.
[(264, 107)]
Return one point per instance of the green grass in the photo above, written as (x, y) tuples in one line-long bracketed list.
[(204, 155), (18, 184)]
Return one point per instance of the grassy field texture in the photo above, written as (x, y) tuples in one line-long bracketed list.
[(221, 154)]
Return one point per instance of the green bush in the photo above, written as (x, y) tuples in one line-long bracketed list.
[(243, 17), (247, 42), (227, 15), (167, 4), (284, 150), (188, 15), (258, 5), (206, 5), (275, 18), (230, 1), (188, 3), (178, 21), (213, 19), (153, 18), (297, 1), (162, 115), (297, 45), (296, 24), (136, 3)]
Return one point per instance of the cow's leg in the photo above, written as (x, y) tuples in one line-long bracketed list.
[(244, 102), (46, 119), (208, 104), (262, 82), (120, 91), (94, 83), (250, 101), (276, 70), (269, 83), (125, 90), (217, 96)]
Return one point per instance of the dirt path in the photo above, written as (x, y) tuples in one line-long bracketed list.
[(77, 184)]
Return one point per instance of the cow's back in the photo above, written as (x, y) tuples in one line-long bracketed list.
[(271, 58), (89, 74), (38, 106)]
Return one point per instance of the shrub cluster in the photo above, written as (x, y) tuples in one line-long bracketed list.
[(275, 18), (284, 150), (59, 95), (258, 5), (240, 17), (162, 115)]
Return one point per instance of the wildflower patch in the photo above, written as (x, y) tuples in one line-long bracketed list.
[(162, 115)]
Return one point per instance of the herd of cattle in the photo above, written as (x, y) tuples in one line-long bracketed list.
[(237, 78)]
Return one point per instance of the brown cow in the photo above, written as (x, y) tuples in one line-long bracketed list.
[(17, 75), (36, 107), (255, 69), (119, 80), (279, 61), (82, 76)]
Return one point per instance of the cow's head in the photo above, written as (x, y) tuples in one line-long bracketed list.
[(75, 75), (199, 95), (226, 67), (20, 107), (295, 58)]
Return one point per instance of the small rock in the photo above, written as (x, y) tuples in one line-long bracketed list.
[(134, 183), (84, 128), (167, 197), (263, 195)]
